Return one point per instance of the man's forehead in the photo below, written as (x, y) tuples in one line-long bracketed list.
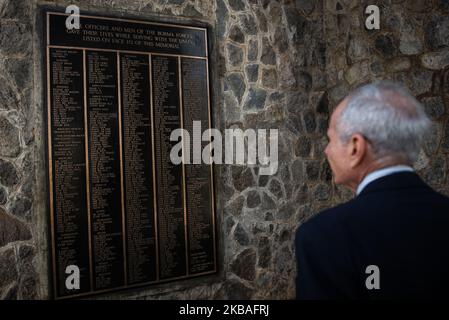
[(338, 110)]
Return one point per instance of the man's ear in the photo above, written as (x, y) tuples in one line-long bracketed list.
[(357, 149)]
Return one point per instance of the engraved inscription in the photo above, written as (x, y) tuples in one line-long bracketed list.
[(120, 210)]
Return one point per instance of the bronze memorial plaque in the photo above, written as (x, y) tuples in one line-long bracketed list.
[(120, 211)]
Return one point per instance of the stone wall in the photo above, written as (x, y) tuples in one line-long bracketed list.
[(411, 47), (276, 64)]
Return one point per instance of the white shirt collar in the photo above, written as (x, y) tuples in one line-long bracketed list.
[(382, 173)]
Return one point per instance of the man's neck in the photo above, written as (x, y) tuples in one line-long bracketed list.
[(375, 165)]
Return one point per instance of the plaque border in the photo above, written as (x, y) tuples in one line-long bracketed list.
[(46, 11)]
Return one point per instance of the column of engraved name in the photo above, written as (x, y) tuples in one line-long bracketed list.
[(104, 164), (168, 176), (68, 167), (198, 175), (137, 148)]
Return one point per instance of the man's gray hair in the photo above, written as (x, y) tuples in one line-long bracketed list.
[(389, 117)]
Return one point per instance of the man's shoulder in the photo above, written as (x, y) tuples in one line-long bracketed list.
[(328, 222), (373, 209)]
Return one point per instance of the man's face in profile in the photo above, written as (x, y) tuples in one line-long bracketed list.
[(336, 152)]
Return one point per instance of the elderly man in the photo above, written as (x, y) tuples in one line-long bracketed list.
[(392, 239)]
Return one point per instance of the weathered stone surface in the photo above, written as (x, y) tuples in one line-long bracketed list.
[(294, 124), (241, 235), (287, 79), (248, 24), (222, 12), (321, 101), (235, 55), (304, 81), (305, 6), (357, 72), (432, 140), (269, 216), (296, 101), (231, 108), (252, 72), (283, 173), (286, 211), (275, 188), (261, 20), (253, 49), (237, 5), (9, 98), (436, 60), (228, 224), (303, 147), (376, 67), (268, 56), (386, 45), (264, 249), (410, 45), (285, 235), (236, 34), (11, 9), (322, 192), (445, 88), (267, 202), (8, 270), (434, 106), (443, 5), (242, 177), (263, 180), (274, 12), (409, 42), (302, 194), (236, 206), (9, 292), (255, 99), (237, 84), (297, 170), (437, 32), (244, 264), (284, 259), (20, 206), (175, 2), (418, 6), (399, 64), (9, 139), (20, 71), (253, 199), (309, 121), (357, 49), (8, 174), (269, 78), (27, 273), (445, 141), (28, 288), (281, 39), (15, 38), (326, 172), (420, 81), (312, 170), (295, 21), (12, 229), (3, 196), (234, 289), (422, 162), (435, 174)]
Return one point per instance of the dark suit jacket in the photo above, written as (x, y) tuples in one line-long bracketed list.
[(397, 223)]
